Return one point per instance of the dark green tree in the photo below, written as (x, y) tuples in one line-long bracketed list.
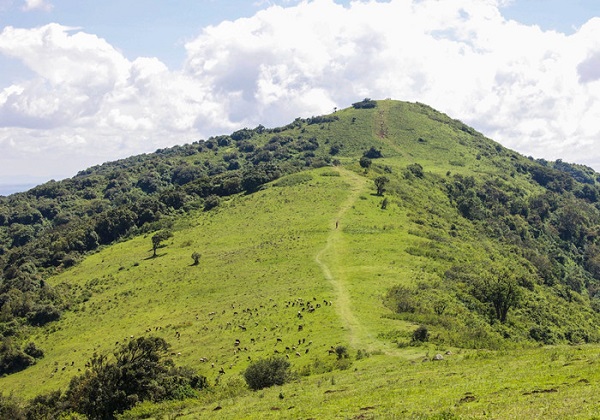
[(196, 257), (158, 238), (380, 183), (267, 372), (365, 162), (501, 292), (140, 371)]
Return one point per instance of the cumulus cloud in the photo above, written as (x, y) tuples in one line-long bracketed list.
[(37, 5), (535, 91)]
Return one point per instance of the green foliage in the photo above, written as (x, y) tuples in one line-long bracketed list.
[(373, 153), (140, 371), (196, 257), (211, 202), (14, 359), (416, 170), (380, 183), (365, 162), (420, 335), (365, 104), (265, 373), (158, 239), (11, 408), (499, 291), (341, 352)]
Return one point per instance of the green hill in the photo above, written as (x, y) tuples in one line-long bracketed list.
[(469, 251)]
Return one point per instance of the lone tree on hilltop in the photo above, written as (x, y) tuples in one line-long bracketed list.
[(380, 183), (157, 239)]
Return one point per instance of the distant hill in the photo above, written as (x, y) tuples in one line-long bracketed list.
[(383, 228)]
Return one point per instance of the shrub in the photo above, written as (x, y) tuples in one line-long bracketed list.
[(267, 372), (364, 104), (140, 371), (365, 162), (211, 202), (373, 153), (420, 335), (341, 352)]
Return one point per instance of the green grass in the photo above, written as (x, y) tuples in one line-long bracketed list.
[(558, 382)]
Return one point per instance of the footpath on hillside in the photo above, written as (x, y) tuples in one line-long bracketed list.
[(325, 257)]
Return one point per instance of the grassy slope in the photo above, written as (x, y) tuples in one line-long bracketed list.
[(263, 252)]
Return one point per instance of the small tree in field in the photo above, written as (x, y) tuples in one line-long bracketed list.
[(365, 162), (157, 239), (380, 183), (196, 257), (267, 372)]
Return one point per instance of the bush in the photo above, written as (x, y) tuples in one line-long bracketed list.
[(267, 372), (140, 371), (373, 153), (211, 202), (365, 162), (341, 352), (365, 104), (420, 335)]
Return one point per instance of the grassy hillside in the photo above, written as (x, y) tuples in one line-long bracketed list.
[(491, 254)]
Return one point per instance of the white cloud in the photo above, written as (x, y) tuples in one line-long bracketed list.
[(37, 5), (535, 91)]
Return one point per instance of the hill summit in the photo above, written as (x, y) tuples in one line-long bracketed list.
[(378, 230)]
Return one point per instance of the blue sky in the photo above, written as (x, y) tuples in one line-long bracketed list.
[(84, 82)]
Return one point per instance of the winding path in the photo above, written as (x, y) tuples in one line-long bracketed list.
[(343, 300)]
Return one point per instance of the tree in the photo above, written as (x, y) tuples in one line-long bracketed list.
[(380, 183), (500, 292), (196, 257), (365, 162), (373, 153), (365, 103), (267, 372), (158, 238), (139, 371)]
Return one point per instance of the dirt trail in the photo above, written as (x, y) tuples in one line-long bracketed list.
[(343, 300)]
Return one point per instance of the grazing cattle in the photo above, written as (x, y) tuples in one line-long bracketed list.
[(297, 354)]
